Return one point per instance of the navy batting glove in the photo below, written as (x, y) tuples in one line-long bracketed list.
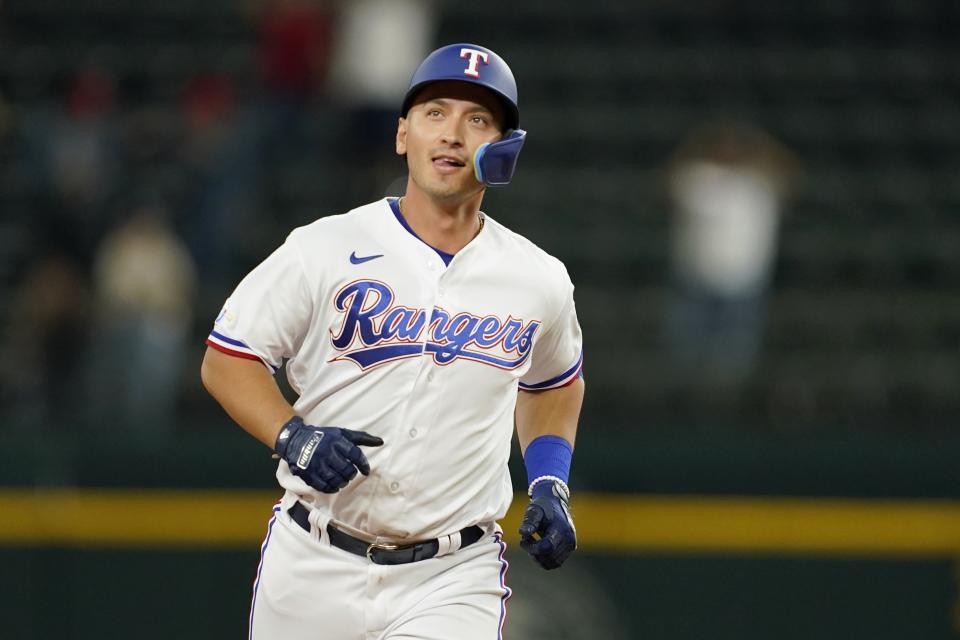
[(326, 458), (547, 532)]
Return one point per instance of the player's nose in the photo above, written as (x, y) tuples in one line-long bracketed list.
[(451, 134)]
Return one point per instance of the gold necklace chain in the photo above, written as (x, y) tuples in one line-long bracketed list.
[(479, 214)]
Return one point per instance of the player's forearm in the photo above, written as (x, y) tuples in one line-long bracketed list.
[(248, 393), (553, 412)]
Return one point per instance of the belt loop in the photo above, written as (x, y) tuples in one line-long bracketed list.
[(318, 526), (448, 544), (455, 542)]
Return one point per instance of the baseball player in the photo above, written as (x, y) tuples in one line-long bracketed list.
[(417, 332)]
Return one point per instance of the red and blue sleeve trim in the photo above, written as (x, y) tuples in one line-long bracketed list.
[(562, 380), (235, 348)]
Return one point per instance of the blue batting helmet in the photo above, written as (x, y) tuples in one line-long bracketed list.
[(468, 63), (494, 163)]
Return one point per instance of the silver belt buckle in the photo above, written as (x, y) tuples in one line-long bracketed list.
[(380, 546)]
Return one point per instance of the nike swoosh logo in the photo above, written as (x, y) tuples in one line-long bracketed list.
[(355, 259)]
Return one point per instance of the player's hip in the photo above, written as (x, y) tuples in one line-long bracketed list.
[(398, 511), (305, 581)]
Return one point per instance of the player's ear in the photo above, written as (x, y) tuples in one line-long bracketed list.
[(401, 136)]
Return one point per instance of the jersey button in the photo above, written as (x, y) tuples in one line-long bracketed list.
[(430, 377), (413, 432), (394, 486)]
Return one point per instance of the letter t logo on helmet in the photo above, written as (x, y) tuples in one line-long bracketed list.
[(494, 163), (475, 56)]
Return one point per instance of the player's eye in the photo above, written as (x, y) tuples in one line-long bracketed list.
[(479, 120), (433, 113)]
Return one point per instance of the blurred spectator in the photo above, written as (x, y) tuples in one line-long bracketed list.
[(144, 283), (727, 184), (218, 152), (295, 48), (48, 327), (76, 160), (379, 42), (295, 42)]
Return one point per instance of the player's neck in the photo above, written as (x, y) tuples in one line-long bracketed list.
[(445, 226)]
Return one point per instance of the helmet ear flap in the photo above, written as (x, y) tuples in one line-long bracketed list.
[(495, 162)]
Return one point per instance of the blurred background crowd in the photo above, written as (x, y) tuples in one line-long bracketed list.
[(759, 204), (154, 153)]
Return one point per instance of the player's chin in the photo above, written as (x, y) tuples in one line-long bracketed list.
[(447, 186), (456, 181), (451, 189)]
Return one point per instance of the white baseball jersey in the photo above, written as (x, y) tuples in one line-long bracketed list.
[(381, 336)]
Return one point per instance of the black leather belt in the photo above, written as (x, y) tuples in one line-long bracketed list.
[(382, 553)]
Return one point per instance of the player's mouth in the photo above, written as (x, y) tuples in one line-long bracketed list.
[(447, 163)]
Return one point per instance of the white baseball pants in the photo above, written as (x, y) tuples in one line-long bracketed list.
[(307, 589)]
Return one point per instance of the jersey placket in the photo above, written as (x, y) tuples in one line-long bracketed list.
[(430, 379), (419, 414), (421, 422)]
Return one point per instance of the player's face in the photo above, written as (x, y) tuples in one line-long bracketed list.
[(441, 133)]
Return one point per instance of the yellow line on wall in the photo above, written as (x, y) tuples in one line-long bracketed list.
[(739, 525), (229, 519), (150, 518)]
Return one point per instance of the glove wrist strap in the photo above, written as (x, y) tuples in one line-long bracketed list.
[(286, 432), (562, 489)]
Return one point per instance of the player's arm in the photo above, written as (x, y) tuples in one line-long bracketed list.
[(546, 424), (248, 393), (554, 412), (326, 458)]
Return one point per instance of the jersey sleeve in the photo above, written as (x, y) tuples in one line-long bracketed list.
[(557, 358), (268, 314)]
